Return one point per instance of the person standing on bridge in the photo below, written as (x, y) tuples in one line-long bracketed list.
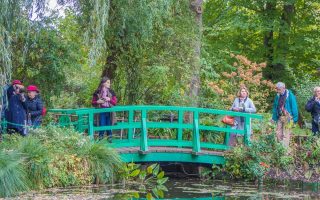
[(104, 97), (313, 106), (241, 104), (284, 112)]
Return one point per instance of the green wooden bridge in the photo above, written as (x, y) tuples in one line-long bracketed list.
[(137, 133)]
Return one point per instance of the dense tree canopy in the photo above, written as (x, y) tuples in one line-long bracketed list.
[(156, 52)]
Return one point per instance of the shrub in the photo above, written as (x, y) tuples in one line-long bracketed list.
[(54, 157), (246, 73)]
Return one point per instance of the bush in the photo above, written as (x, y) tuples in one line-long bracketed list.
[(245, 73), (54, 157)]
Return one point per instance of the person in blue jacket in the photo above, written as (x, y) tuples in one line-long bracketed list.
[(16, 112), (285, 111), (34, 106), (313, 106)]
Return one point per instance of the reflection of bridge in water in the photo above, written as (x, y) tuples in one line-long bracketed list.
[(140, 135)]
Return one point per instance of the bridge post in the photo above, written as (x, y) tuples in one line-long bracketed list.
[(196, 135), (247, 131), (80, 123), (180, 121), (90, 131), (144, 132), (130, 121)]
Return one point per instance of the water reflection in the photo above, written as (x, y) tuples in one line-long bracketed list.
[(218, 190), (187, 189)]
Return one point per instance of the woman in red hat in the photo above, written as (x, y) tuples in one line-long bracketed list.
[(34, 106), (16, 111)]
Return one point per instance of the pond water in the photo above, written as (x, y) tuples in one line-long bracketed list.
[(187, 189)]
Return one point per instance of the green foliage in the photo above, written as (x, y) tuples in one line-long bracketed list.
[(54, 157), (13, 177), (303, 88), (255, 161), (263, 31), (149, 179)]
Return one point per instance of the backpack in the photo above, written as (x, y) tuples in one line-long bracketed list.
[(44, 111)]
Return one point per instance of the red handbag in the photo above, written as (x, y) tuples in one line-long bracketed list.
[(228, 120)]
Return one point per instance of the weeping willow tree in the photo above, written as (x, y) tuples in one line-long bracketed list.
[(11, 15), (123, 35)]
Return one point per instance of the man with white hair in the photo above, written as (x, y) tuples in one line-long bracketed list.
[(313, 106), (285, 111)]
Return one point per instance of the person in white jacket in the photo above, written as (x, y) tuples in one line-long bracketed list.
[(242, 103)]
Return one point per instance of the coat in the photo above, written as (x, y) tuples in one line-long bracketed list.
[(313, 107), (248, 108), (290, 105), (96, 96), (16, 113), (34, 109)]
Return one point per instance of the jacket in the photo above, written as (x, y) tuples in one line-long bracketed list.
[(290, 105), (16, 113), (34, 108), (313, 107), (96, 97)]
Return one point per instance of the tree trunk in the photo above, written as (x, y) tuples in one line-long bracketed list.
[(268, 42), (110, 65), (196, 7), (283, 43)]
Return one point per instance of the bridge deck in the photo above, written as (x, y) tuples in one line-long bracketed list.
[(162, 149), (171, 154)]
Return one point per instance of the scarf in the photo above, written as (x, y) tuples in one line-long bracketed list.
[(281, 104), (104, 94)]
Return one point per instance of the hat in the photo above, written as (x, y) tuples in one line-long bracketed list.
[(14, 82), (32, 88)]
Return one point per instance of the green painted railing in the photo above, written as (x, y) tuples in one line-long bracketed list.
[(85, 122)]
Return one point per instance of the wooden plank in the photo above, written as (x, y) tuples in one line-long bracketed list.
[(169, 150)]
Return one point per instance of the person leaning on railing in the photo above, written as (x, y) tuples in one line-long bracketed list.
[(241, 104), (313, 106), (104, 97)]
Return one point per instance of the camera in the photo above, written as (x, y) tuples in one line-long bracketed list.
[(22, 90)]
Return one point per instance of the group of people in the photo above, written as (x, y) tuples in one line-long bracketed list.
[(284, 111), (25, 108), (22, 108)]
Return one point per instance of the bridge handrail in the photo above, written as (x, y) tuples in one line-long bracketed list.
[(144, 124)]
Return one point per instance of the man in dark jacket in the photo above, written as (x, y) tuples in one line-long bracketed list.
[(313, 106), (34, 106)]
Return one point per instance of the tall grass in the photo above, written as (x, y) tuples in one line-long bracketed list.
[(13, 177), (54, 157)]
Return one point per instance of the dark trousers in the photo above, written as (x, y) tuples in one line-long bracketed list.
[(315, 128), (105, 120)]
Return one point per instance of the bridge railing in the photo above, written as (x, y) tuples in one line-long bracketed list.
[(86, 118)]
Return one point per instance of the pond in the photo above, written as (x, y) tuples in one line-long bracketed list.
[(187, 189)]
